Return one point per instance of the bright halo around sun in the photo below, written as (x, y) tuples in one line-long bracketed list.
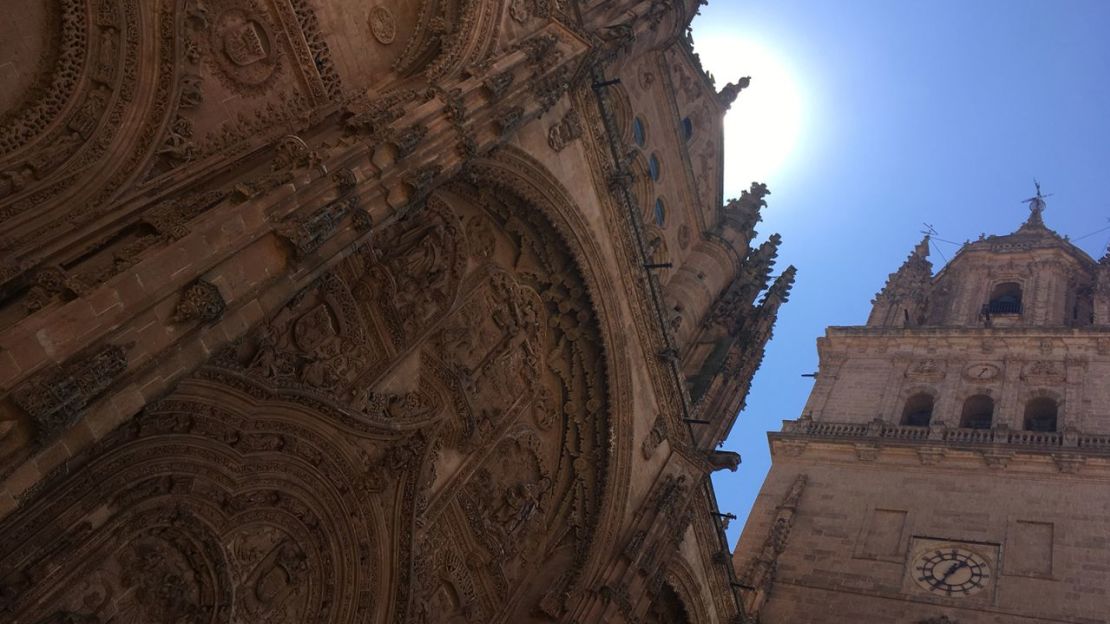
[(764, 125)]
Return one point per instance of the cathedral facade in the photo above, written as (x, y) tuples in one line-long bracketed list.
[(333, 311), (950, 464)]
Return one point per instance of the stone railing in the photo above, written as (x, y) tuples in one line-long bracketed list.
[(879, 430)]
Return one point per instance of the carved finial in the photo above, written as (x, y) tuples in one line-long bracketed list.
[(779, 291), (1036, 208), (731, 90)]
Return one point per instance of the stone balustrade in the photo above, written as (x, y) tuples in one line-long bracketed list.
[(877, 429)]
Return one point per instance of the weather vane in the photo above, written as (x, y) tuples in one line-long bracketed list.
[(1036, 203)]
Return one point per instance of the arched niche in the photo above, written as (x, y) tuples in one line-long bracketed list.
[(917, 410), (1041, 413), (977, 412), (444, 395), (1005, 299)]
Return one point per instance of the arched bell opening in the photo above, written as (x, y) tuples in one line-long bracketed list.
[(978, 412)]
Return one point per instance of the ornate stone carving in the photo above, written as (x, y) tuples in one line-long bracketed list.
[(55, 398), (508, 120), (568, 129), (760, 573), (382, 25), (723, 460), (243, 45), (307, 233), (200, 301), (497, 84), (654, 437)]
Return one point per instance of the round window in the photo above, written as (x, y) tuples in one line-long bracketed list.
[(653, 167), (660, 212), (638, 132)]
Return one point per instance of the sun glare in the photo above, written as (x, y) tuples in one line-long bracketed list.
[(763, 128)]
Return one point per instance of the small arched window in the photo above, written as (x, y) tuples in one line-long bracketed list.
[(918, 411), (978, 412), (653, 167), (1040, 414), (660, 212), (687, 128), (1005, 299), (638, 133)]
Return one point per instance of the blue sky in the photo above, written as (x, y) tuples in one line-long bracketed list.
[(885, 114)]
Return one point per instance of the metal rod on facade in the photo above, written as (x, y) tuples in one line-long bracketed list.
[(695, 421), (608, 83), (659, 265)]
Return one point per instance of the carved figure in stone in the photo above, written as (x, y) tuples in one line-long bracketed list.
[(191, 94), (723, 460), (107, 57), (178, 145), (731, 90)]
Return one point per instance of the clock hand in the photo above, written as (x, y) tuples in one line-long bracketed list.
[(953, 569)]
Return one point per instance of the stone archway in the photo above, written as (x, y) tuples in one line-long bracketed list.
[(422, 434)]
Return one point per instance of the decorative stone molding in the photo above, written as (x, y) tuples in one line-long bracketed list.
[(654, 437), (568, 129), (867, 452), (997, 459), (930, 455), (309, 232), (200, 301), (55, 399), (1068, 463)]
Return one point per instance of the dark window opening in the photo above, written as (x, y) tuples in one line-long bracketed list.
[(918, 411), (687, 128), (1005, 299), (660, 213), (653, 167), (1040, 415), (978, 412), (638, 134)]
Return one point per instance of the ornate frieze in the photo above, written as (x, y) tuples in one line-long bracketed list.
[(54, 399)]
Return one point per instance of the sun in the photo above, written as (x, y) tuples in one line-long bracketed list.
[(764, 126)]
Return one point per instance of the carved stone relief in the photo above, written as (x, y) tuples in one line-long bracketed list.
[(242, 44), (383, 25)]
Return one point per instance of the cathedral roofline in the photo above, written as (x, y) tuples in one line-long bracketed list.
[(1032, 234)]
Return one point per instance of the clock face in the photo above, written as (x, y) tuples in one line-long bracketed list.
[(981, 372), (951, 571)]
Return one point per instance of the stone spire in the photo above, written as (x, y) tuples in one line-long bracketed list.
[(779, 291), (903, 297)]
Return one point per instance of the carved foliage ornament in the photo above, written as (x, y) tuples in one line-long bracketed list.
[(201, 301)]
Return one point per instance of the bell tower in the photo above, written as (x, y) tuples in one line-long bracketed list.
[(951, 462)]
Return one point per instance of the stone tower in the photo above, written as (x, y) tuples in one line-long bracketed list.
[(950, 464)]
